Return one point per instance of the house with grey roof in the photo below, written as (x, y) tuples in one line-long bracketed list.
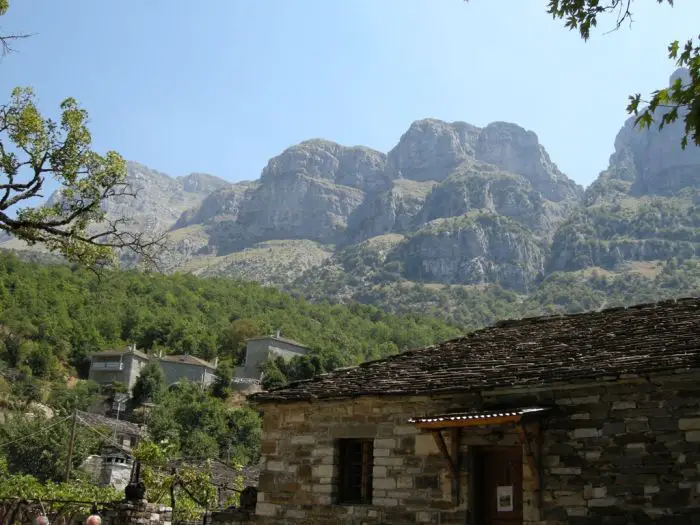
[(178, 368), (125, 366), (591, 418), (260, 349), (117, 366), (112, 466)]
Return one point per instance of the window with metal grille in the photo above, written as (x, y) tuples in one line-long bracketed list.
[(355, 461)]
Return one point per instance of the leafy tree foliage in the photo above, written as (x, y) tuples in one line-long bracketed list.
[(38, 446), (74, 313), (64, 399), (681, 99), (273, 377), (33, 149), (236, 334), (150, 385), (199, 425), (222, 385), (25, 486), (192, 487)]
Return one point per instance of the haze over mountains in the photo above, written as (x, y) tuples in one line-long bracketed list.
[(455, 207)]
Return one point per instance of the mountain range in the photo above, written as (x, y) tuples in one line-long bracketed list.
[(453, 215)]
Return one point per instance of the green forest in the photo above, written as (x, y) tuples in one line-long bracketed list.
[(53, 317)]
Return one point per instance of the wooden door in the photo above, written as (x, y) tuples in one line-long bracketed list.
[(502, 487)]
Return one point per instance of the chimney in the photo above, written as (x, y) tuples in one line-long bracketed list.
[(277, 335)]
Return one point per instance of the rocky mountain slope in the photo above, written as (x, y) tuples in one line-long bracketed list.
[(159, 202), (474, 205), (453, 217)]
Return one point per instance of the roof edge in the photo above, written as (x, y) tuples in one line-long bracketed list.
[(280, 339), (260, 396), (263, 398)]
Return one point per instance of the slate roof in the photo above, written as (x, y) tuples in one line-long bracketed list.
[(280, 339), (116, 425), (222, 475), (188, 360), (642, 339), (119, 353)]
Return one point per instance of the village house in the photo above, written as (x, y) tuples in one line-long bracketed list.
[(125, 366), (248, 378), (177, 368), (582, 419), (117, 366), (112, 467)]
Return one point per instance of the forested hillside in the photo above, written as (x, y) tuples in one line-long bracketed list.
[(464, 223), (54, 315)]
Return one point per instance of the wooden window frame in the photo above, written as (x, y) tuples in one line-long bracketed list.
[(349, 491)]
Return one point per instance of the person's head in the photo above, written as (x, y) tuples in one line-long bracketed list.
[(94, 519), (41, 520)]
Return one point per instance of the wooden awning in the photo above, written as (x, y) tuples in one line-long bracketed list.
[(476, 419), (520, 418)]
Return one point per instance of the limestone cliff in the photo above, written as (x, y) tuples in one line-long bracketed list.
[(644, 207), (476, 248)]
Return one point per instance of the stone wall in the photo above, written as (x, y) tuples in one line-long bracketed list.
[(138, 514), (114, 474), (232, 518), (610, 452), (175, 372), (623, 453), (259, 350)]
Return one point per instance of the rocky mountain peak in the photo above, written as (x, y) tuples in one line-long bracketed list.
[(431, 149), (650, 161), (681, 73), (356, 166), (202, 183), (517, 150)]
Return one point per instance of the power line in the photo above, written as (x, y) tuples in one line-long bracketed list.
[(109, 439), (35, 433)]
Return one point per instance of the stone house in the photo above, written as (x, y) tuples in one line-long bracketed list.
[(112, 467), (117, 366), (187, 368), (124, 366), (582, 419), (259, 349)]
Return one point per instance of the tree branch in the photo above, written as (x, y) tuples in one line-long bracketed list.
[(75, 224), (6, 42)]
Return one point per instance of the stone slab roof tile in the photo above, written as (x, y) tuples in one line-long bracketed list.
[(117, 425), (188, 360), (643, 339)]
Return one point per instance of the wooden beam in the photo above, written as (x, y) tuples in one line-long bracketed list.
[(440, 441), (530, 441), (463, 423), (456, 460), (453, 458)]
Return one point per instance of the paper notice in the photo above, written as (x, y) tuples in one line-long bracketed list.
[(504, 499)]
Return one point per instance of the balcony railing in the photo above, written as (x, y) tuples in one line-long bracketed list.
[(107, 366)]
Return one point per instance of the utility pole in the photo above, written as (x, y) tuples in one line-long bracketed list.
[(69, 460)]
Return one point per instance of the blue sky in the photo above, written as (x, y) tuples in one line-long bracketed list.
[(219, 86)]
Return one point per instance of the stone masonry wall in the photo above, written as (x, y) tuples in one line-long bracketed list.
[(138, 514), (611, 453), (622, 453)]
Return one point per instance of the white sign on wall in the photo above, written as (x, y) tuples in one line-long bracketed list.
[(504, 499)]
